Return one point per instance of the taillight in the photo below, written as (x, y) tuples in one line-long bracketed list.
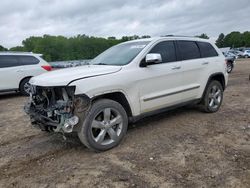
[(47, 67)]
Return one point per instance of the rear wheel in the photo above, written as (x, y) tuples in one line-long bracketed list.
[(246, 56), (229, 67), (24, 87), (104, 126), (213, 97)]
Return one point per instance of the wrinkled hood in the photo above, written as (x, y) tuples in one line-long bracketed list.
[(65, 76)]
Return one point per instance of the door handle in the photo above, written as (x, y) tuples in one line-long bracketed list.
[(205, 63), (176, 67)]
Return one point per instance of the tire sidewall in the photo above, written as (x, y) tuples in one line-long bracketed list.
[(231, 67), (23, 82), (85, 134)]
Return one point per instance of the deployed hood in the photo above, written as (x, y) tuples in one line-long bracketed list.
[(65, 76)]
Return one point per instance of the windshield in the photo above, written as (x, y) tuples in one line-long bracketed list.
[(121, 54)]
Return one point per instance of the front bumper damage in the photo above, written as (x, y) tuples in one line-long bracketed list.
[(56, 109)]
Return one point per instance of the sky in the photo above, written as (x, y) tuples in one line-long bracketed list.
[(20, 19)]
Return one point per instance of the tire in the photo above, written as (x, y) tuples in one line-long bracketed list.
[(23, 87), (246, 56), (213, 92), (229, 67), (104, 126)]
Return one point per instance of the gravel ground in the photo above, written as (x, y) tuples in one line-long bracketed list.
[(180, 148)]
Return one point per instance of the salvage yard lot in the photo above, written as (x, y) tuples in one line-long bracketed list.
[(181, 148)]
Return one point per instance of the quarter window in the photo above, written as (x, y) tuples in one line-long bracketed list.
[(188, 50), (28, 60), (207, 50), (167, 51)]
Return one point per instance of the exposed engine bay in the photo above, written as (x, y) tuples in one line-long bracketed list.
[(55, 109)]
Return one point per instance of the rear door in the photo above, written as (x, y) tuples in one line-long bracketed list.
[(9, 72), (198, 59), (193, 68)]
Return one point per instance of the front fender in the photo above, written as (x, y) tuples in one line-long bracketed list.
[(96, 86)]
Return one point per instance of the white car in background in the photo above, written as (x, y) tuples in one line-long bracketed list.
[(246, 54), (16, 69)]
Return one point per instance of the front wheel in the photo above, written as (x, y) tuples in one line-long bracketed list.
[(213, 97), (104, 126)]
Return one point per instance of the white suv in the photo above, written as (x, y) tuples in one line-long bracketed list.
[(125, 83), (16, 69)]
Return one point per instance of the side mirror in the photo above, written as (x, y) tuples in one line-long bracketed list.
[(153, 58)]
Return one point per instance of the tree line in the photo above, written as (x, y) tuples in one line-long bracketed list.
[(60, 48), (234, 39)]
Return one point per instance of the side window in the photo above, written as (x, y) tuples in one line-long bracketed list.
[(188, 50), (167, 51), (27, 60), (207, 50), (8, 61)]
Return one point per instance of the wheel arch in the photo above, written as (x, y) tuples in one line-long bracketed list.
[(23, 80), (117, 96), (219, 76)]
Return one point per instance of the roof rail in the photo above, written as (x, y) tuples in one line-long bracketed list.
[(16, 52), (177, 36)]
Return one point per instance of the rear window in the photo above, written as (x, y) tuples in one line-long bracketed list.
[(188, 50), (17, 60), (207, 50)]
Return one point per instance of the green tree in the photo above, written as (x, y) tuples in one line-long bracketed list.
[(111, 38), (18, 49), (220, 41), (246, 39), (59, 48), (3, 49), (234, 40), (203, 36)]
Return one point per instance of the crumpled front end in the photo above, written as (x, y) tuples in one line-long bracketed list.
[(55, 109)]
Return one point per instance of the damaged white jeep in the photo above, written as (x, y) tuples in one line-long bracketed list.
[(127, 82)]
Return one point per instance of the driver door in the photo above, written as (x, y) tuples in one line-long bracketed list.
[(160, 84)]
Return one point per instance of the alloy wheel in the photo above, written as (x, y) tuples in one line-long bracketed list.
[(229, 68), (215, 97), (26, 87), (107, 126)]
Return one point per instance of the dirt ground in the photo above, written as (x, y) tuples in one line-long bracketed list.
[(181, 148)]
